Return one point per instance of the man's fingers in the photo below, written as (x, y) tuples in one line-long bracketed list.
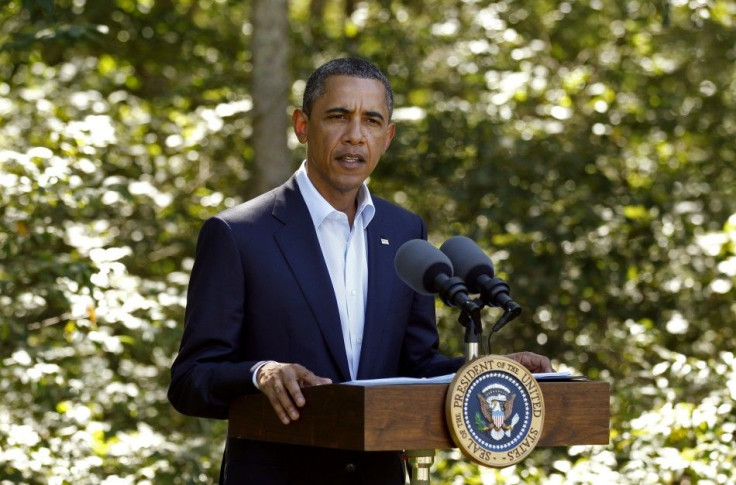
[(281, 400), (282, 385), (279, 409), (277, 383), (533, 362), (294, 390), (307, 378)]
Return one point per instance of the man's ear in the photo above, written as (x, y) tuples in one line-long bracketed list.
[(389, 136), (300, 120)]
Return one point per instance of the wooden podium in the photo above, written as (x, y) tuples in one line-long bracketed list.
[(411, 417)]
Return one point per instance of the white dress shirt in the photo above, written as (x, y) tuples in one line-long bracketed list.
[(345, 252)]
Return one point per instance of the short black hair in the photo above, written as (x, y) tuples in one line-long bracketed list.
[(347, 66)]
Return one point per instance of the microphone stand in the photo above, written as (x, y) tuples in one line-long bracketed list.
[(420, 461), (470, 319)]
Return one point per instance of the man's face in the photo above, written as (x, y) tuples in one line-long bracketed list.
[(346, 134)]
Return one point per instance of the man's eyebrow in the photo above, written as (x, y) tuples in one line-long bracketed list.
[(341, 110), (374, 114)]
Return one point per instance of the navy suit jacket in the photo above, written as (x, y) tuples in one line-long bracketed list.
[(260, 290)]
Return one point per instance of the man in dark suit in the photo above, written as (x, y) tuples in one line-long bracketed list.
[(297, 288)]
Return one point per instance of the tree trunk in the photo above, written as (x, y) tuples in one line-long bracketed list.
[(270, 90)]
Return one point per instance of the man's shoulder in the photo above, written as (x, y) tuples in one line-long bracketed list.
[(250, 210), (261, 207)]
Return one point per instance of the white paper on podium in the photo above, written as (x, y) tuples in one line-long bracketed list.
[(395, 381), (554, 376), (445, 379)]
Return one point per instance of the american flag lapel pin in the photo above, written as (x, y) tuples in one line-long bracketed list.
[(384, 241)]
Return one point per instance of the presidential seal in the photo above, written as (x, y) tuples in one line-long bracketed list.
[(495, 411)]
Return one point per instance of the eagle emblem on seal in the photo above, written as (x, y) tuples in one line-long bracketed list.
[(496, 407)]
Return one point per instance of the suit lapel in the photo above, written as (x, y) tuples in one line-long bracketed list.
[(299, 245), (380, 275)]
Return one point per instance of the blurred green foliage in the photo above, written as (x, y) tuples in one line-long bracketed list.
[(586, 145)]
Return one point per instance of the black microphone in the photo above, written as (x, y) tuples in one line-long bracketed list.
[(428, 271), (476, 269)]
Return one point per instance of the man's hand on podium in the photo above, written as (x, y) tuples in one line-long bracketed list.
[(282, 384), (534, 362)]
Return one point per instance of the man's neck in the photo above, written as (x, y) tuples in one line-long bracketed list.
[(349, 207)]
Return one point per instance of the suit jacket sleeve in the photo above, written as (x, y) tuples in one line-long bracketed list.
[(208, 371)]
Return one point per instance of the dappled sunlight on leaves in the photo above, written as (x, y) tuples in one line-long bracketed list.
[(587, 147)]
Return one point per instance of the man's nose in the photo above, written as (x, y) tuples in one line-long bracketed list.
[(354, 132)]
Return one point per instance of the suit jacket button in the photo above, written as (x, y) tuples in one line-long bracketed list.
[(350, 467)]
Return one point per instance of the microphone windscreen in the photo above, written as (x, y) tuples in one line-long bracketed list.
[(468, 260), (417, 263)]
